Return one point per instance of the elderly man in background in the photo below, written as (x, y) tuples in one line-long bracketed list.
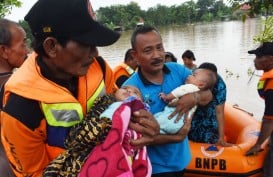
[(13, 52)]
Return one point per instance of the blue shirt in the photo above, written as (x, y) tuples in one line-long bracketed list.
[(204, 126), (166, 157)]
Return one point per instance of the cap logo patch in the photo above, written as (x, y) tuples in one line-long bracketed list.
[(91, 11), (47, 29)]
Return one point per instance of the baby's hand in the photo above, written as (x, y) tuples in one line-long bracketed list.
[(162, 96)]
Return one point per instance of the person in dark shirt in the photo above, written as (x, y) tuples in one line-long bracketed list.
[(264, 61)]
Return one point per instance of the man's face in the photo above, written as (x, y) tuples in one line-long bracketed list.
[(168, 58), (17, 50), (73, 59), (187, 61), (263, 62), (133, 63), (149, 52)]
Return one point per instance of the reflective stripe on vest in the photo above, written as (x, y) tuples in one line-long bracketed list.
[(260, 88), (129, 70), (261, 84), (69, 114), (63, 114), (99, 92)]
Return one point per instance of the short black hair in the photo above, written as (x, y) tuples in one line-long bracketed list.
[(188, 54), (128, 55), (209, 66), (211, 79), (170, 54), (141, 30)]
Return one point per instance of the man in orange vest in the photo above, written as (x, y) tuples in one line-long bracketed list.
[(57, 85), (264, 61), (124, 70)]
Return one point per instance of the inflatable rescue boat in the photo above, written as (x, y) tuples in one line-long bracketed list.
[(242, 130)]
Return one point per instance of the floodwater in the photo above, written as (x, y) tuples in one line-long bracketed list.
[(223, 43)]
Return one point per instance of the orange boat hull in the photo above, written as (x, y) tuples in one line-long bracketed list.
[(242, 130)]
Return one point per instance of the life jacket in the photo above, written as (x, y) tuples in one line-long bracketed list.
[(265, 83), (59, 106), (122, 69), (61, 109)]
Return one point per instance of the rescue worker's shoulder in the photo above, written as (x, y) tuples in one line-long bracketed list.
[(25, 110)]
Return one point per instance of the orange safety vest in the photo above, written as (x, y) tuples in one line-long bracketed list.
[(27, 150), (122, 69), (265, 83)]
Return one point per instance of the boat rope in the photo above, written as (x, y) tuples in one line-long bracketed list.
[(236, 106)]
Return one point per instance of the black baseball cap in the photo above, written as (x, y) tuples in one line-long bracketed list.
[(265, 48), (70, 19)]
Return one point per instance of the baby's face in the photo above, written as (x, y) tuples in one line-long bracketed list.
[(197, 78), (126, 91)]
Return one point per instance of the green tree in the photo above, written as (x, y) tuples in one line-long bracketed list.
[(7, 5), (158, 15), (133, 14), (206, 9), (183, 14), (120, 15), (191, 10), (127, 16), (221, 10), (258, 7), (267, 34)]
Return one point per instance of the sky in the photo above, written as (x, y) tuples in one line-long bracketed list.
[(19, 13)]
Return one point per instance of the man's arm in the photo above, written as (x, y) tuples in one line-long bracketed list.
[(186, 102), (266, 131), (203, 97), (267, 124)]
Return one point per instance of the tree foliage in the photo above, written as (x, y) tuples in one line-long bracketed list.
[(7, 5), (119, 15), (267, 34), (258, 7), (127, 16)]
